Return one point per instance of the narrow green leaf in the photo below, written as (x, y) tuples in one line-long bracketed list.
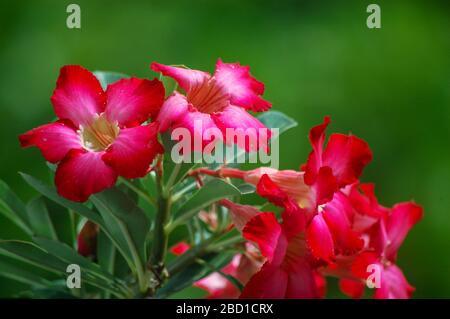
[(11, 271), (126, 221), (13, 208), (50, 193), (40, 220), (276, 119)]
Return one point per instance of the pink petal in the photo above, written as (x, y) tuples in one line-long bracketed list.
[(265, 231), (186, 78), (319, 239), (269, 283), (393, 285), (54, 140), (403, 217), (134, 149), (240, 214), (244, 90), (83, 173), (197, 123), (133, 101), (172, 110), (78, 95), (347, 156), (251, 134)]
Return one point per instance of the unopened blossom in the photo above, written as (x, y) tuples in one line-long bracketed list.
[(216, 102), (98, 135)]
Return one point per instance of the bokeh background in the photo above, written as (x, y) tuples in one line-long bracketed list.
[(390, 86)]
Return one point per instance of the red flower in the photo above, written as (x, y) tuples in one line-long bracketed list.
[(216, 102), (97, 136)]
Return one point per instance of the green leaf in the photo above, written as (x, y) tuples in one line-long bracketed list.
[(106, 253), (125, 221), (107, 77), (50, 193), (276, 119), (13, 208), (11, 271), (213, 191), (34, 255), (246, 188), (194, 272), (40, 220)]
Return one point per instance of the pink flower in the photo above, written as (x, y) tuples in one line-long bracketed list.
[(98, 137), (216, 102)]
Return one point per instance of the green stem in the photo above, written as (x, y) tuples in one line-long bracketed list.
[(160, 233)]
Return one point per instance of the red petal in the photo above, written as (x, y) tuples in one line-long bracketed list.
[(269, 190), (180, 248), (317, 138), (319, 239), (347, 156), (352, 288), (264, 230), (240, 214), (244, 90), (132, 101), (269, 283), (337, 215), (81, 174), (186, 78), (403, 217), (133, 151), (78, 95), (324, 186), (302, 282), (54, 140)]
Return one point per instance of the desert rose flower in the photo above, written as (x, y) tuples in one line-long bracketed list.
[(216, 102), (98, 136)]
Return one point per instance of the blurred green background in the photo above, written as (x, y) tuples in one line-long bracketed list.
[(390, 86)]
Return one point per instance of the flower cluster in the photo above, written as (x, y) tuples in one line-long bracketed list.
[(326, 223), (331, 225), (99, 134)]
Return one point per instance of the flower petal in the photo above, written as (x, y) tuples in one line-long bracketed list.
[(316, 138), (244, 90), (403, 217), (347, 156), (78, 95), (264, 230), (319, 239), (83, 173), (337, 215), (172, 110), (240, 214), (302, 282), (54, 140), (351, 288), (186, 78), (250, 133), (133, 101), (393, 285), (269, 283), (132, 152)]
